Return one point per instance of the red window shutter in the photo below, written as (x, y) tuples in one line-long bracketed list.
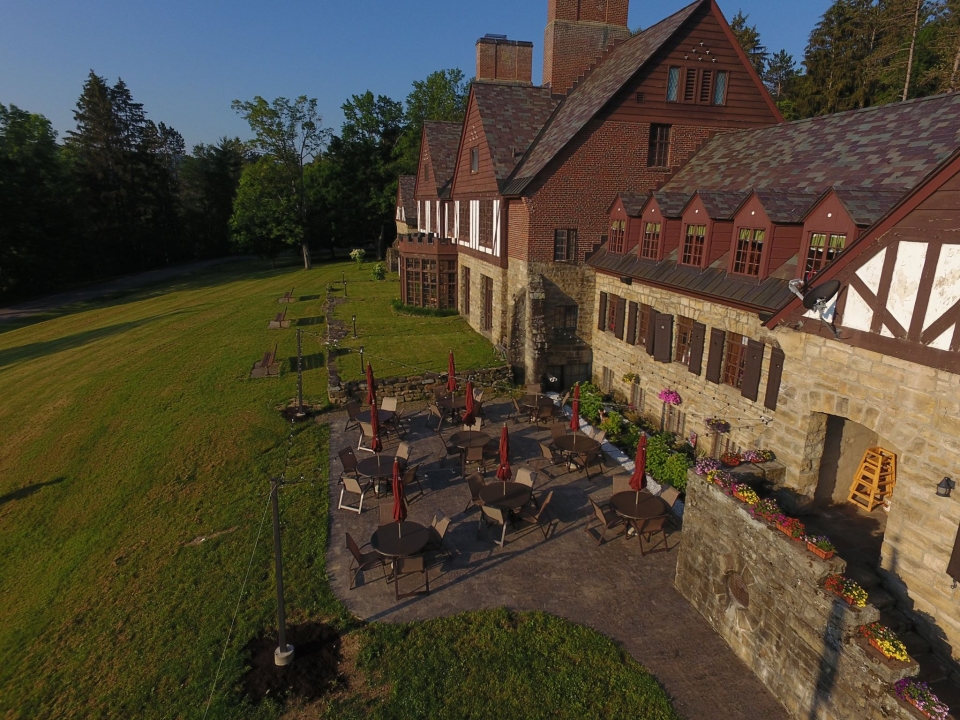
[(750, 387), (621, 311), (697, 339), (715, 358), (664, 338), (651, 331), (773, 379), (602, 315), (632, 323)]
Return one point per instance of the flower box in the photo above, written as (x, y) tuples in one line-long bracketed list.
[(792, 528), (822, 554), (846, 589), (820, 546), (918, 695)]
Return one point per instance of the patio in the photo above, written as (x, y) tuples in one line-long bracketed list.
[(609, 588)]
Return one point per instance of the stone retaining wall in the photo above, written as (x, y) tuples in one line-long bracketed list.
[(414, 387), (763, 593)]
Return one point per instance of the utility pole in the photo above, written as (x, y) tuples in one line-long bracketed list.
[(283, 655)]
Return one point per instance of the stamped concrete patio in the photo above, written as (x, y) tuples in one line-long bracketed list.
[(610, 588)]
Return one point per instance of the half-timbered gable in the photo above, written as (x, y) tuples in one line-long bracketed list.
[(405, 212), (438, 153)]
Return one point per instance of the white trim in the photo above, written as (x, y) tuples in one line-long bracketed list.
[(456, 221)]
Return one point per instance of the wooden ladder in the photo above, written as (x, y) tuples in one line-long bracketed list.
[(875, 479)]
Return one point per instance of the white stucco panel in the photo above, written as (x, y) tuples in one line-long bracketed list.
[(871, 270), (943, 342), (906, 281), (946, 287), (857, 315)]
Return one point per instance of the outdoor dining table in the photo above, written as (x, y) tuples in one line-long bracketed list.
[(506, 495), (465, 439), (379, 468), (453, 404), (576, 444), (400, 539), (382, 415), (638, 507), (535, 402)]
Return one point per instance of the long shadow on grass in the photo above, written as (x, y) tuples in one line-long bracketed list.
[(28, 490), (34, 351)]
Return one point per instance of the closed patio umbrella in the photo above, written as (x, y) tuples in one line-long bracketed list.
[(638, 481), (375, 443), (469, 411), (503, 472), (451, 374), (399, 506), (575, 418), (371, 388)]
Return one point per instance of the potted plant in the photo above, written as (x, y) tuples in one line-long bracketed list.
[(631, 378), (920, 696), (791, 527), (820, 546), (731, 459), (722, 480), (885, 641), (705, 465), (844, 587), (669, 397), (745, 494), (717, 425), (767, 509)]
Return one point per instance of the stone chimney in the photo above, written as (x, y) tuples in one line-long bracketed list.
[(506, 61), (578, 32)]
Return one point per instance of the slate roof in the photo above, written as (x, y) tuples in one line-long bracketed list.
[(867, 205), (443, 138), (405, 192), (589, 97), (721, 205), (786, 206), (767, 296), (671, 203), (633, 202), (890, 147), (512, 115)]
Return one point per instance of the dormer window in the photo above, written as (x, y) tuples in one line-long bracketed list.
[(650, 248), (694, 243), (823, 248), (746, 260), (618, 236)]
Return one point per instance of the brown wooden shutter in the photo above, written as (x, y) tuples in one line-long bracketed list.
[(773, 379), (602, 316), (697, 339), (715, 358), (750, 387), (632, 323), (953, 568), (621, 311), (651, 331), (664, 338)]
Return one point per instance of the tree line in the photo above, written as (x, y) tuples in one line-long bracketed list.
[(121, 193)]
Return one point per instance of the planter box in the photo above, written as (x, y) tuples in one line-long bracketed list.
[(822, 554), (786, 532)]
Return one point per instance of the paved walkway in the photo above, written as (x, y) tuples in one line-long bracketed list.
[(609, 588)]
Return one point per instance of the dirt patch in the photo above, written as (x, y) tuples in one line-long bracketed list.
[(314, 672)]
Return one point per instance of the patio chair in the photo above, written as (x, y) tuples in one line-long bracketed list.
[(353, 409), (410, 566), (526, 476), (654, 526), (585, 460), (608, 520), (621, 483), (600, 436), (366, 433), (435, 412), (409, 478), (475, 455), (478, 411), (557, 410), (670, 495), (557, 430), (548, 459), (349, 462), (352, 485), (364, 561), (475, 483), (543, 415), (403, 451), (389, 404), (478, 394), (386, 512), (493, 516), (537, 516), (440, 392), (516, 414), (532, 388), (438, 530), (452, 450)]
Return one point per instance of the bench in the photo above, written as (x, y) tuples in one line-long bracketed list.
[(279, 322), (268, 366), (287, 298)]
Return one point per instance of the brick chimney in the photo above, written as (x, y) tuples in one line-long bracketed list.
[(578, 32), (502, 60)]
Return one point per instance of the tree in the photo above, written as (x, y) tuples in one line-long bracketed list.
[(292, 134), (749, 38), (209, 179), (780, 72), (441, 96), (266, 215)]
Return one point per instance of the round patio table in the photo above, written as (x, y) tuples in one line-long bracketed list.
[(400, 539), (452, 402), (379, 467), (470, 439), (382, 415), (536, 401), (640, 506), (506, 495), (576, 444)]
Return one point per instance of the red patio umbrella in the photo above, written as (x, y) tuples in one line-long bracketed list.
[(638, 481), (575, 419), (469, 411), (371, 388), (375, 443), (451, 374), (399, 506), (503, 472)]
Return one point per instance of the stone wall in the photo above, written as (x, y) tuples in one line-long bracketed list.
[(501, 309), (415, 387), (763, 593)]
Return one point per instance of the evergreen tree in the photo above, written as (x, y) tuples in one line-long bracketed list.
[(209, 179), (749, 38), (441, 96)]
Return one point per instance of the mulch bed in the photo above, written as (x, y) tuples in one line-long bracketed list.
[(314, 672)]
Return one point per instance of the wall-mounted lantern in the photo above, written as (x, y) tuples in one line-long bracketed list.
[(945, 486)]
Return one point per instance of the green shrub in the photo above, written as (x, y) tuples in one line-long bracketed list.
[(379, 271), (402, 309), (357, 256), (591, 400), (675, 471), (613, 425), (658, 450)]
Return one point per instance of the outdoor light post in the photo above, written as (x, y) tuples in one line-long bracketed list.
[(344, 288), (283, 655), (300, 412), (361, 359), (354, 325)]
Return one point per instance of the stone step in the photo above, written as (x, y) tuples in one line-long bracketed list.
[(864, 576), (896, 620), (918, 648), (880, 598)]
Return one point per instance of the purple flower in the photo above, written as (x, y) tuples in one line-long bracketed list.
[(706, 464)]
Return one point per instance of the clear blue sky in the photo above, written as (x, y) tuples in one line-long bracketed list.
[(185, 61)]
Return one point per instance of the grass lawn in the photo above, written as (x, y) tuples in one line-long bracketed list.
[(400, 344), (134, 475)]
